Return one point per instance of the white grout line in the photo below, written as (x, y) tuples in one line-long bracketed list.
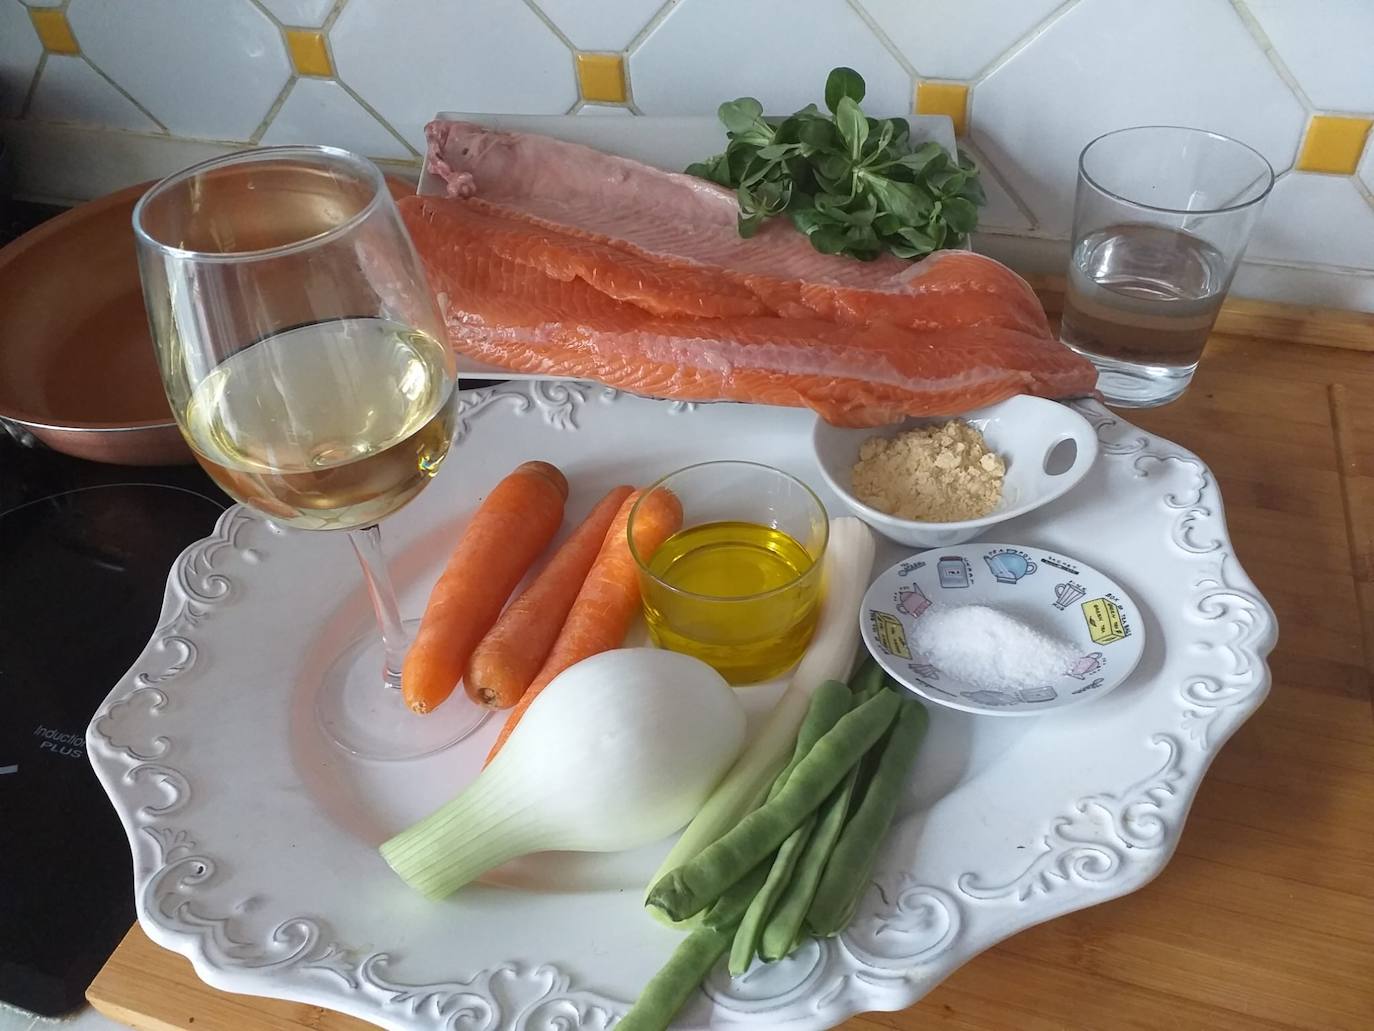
[(374, 113), (1020, 44), (886, 41), (653, 23), (539, 13), (276, 106), (127, 95), (33, 83), (1266, 46)]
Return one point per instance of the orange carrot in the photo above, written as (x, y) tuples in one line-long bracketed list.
[(514, 650), (609, 597), (507, 533)]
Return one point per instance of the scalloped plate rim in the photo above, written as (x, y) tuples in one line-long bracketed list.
[(113, 775)]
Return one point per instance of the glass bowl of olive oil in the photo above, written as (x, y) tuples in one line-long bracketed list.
[(739, 586)]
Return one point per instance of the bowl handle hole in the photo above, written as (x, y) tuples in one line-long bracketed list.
[(1060, 458)]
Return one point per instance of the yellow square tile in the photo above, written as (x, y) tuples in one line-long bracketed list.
[(53, 30), (308, 52), (944, 98), (602, 77), (1333, 144)]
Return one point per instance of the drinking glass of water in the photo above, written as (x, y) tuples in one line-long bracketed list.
[(1161, 220), (304, 358)]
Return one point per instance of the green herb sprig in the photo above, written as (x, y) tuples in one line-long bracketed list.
[(854, 185)]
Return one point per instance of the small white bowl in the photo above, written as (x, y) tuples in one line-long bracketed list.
[(1024, 430)]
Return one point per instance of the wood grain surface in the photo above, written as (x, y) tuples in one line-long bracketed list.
[(1264, 918)]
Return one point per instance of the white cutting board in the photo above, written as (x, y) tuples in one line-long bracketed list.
[(669, 142)]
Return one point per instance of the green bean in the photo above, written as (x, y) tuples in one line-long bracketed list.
[(868, 677), (668, 990), (750, 930), (698, 882), (851, 864), (830, 702), (781, 933)]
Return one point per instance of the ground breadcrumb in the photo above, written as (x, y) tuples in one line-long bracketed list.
[(936, 474)]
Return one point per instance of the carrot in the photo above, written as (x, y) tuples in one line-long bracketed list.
[(507, 533), (509, 657), (609, 597)]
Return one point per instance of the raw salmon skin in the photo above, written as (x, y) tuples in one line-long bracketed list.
[(556, 259)]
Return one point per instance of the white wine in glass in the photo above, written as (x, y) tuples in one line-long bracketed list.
[(302, 354)]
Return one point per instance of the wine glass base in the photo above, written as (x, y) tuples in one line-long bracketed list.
[(362, 715)]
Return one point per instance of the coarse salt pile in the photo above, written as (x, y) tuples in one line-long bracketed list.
[(990, 649), (936, 474)]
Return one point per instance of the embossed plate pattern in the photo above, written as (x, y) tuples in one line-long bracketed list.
[(254, 840)]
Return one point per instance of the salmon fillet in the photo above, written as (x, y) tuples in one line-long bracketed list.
[(673, 223), (956, 288), (511, 313)]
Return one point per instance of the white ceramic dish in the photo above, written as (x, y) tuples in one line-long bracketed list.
[(1056, 594), (254, 839), (1026, 431), (669, 142)]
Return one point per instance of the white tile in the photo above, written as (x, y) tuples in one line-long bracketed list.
[(204, 70), (1000, 213), (609, 25), (1321, 219), (1291, 285), (945, 40), (708, 51), (1326, 45), (19, 54), (70, 90), (299, 12), (71, 163), (410, 59), (1107, 64), (321, 111), (603, 110)]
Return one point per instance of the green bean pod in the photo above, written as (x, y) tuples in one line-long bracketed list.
[(669, 989), (829, 703), (697, 883), (784, 927), (750, 931), (851, 864)]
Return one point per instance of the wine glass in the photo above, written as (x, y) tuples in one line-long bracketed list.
[(302, 353)]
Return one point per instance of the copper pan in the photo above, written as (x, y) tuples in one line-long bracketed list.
[(77, 369)]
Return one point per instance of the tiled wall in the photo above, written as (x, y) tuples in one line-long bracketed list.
[(1027, 82)]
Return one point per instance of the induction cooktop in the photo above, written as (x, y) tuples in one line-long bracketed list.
[(84, 555)]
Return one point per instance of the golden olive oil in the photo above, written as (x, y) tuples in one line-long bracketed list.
[(740, 596)]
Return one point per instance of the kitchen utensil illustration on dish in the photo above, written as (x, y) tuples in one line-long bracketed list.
[(1105, 625), (1090, 687), (1086, 666), (887, 630), (953, 572), (924, 669), (1037, 694), (912, 601), (1067, 593), (1009, 566)]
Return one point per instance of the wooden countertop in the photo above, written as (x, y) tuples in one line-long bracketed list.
[(1264, 918)]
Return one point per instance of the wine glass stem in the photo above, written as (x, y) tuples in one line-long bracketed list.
[(367, 542)]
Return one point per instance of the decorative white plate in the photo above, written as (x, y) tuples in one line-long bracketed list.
[(1055, 594), (254, 839)]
